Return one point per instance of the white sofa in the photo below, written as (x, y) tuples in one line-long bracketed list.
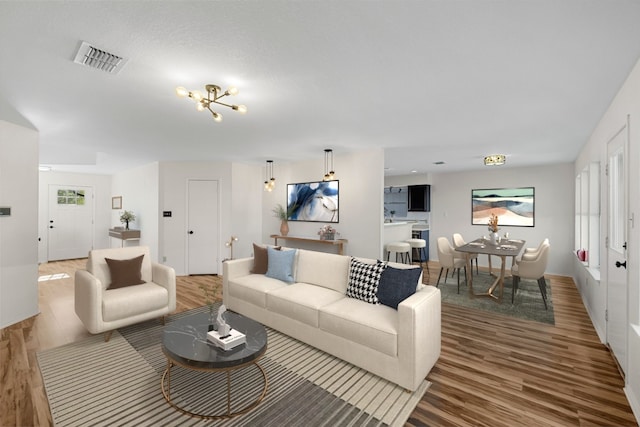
[(103, 310), (399, 345)]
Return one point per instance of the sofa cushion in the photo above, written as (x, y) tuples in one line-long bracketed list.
[(97, 266), (373, 326), (254, 288), (280, 264), (260, 259), (363, 280), (301, 301), (323, 269), (125, 272), (397, 284), (126, 302)]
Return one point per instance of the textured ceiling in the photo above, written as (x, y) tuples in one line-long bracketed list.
[(426, 80)]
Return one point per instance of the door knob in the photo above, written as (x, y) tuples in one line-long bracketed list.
[(621, 264), (190, 231)]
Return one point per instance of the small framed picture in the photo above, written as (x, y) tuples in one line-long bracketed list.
[(116, 202)]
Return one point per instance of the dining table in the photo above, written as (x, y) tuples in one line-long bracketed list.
[(506, 248)]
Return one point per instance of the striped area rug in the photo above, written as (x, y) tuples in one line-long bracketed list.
[(118, 383)]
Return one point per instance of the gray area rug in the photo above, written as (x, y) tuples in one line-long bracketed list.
[(118, 383), (527, 305)]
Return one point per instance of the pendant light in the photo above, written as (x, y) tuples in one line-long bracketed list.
[(329, 174), (269, 181)]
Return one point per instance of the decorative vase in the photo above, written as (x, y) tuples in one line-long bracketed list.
[(494, 239), (284, 228), (126, 225)]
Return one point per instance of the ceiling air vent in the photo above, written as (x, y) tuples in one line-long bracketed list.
[(99, 59)]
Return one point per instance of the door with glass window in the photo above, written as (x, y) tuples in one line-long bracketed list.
[(70, 223), (617, 289)]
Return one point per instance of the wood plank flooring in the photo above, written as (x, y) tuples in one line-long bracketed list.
[(493, 371)]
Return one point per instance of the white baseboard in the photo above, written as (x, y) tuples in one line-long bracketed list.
[(634, 402)]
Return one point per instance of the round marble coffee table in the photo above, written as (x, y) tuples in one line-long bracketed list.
[(185, 344)]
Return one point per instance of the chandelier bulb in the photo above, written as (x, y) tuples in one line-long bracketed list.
[(242, 109), (182, 92), (217, 117), (233, 91), (196, 95), (200, 106)]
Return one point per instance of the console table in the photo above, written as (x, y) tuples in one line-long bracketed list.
[(124, 234), (338, 242)]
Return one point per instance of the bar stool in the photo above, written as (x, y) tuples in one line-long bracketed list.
[(419, 246), (401, 248)]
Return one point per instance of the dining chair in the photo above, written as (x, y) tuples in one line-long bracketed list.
[(458, 241), (531, 253), (447, 259), (532, 267)]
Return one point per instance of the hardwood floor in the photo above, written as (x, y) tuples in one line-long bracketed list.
[(493, 371)]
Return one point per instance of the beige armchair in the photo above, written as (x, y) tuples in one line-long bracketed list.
[(532, 266), (103, 307), (448, 260)]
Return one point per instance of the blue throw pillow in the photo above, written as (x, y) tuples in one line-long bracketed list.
[(280, 264), (397, 284)]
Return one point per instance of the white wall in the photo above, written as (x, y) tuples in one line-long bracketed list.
[(139, 188), (246, 202), (554, 208), (626, 103), (101, 185), (19, 231), (361, 177)]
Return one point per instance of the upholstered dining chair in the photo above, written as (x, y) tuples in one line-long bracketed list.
[(448, 260), (531, 253), (458, 241), (532, 267)]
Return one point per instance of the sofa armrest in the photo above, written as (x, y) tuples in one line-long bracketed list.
[(419, 337), (165, 276), (234, 268), (88, 300)]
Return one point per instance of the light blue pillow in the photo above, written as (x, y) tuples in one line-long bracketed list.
[(280, 264)]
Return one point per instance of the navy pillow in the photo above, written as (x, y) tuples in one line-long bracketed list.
[(397, 284)]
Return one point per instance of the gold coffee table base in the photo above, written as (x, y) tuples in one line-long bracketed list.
[(167, 392)]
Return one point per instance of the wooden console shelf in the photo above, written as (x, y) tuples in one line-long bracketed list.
[(124, 234), (338, 242)]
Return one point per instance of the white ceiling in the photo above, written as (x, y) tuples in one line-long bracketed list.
[(429, 81)]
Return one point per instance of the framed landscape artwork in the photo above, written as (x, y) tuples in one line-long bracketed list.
[(313, 201), (513, 206)]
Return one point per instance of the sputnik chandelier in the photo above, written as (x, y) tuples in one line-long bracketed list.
[(214, 93)]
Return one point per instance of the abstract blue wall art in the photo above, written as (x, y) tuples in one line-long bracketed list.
[(313, 201)]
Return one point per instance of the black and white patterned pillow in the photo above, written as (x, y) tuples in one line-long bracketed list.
[(364, 279)]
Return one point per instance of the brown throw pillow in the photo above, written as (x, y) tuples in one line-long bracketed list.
[(125, 272), (260, 260)]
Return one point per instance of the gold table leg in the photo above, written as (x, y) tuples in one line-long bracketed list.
[(167, 392)]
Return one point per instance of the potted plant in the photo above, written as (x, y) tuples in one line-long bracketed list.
[(126, 218), (283, 215)]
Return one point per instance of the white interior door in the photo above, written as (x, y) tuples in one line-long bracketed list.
[(202, 227), (617, 289), (70, 227)]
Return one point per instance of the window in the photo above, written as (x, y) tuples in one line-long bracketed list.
[(71, 197), (587, 214)]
